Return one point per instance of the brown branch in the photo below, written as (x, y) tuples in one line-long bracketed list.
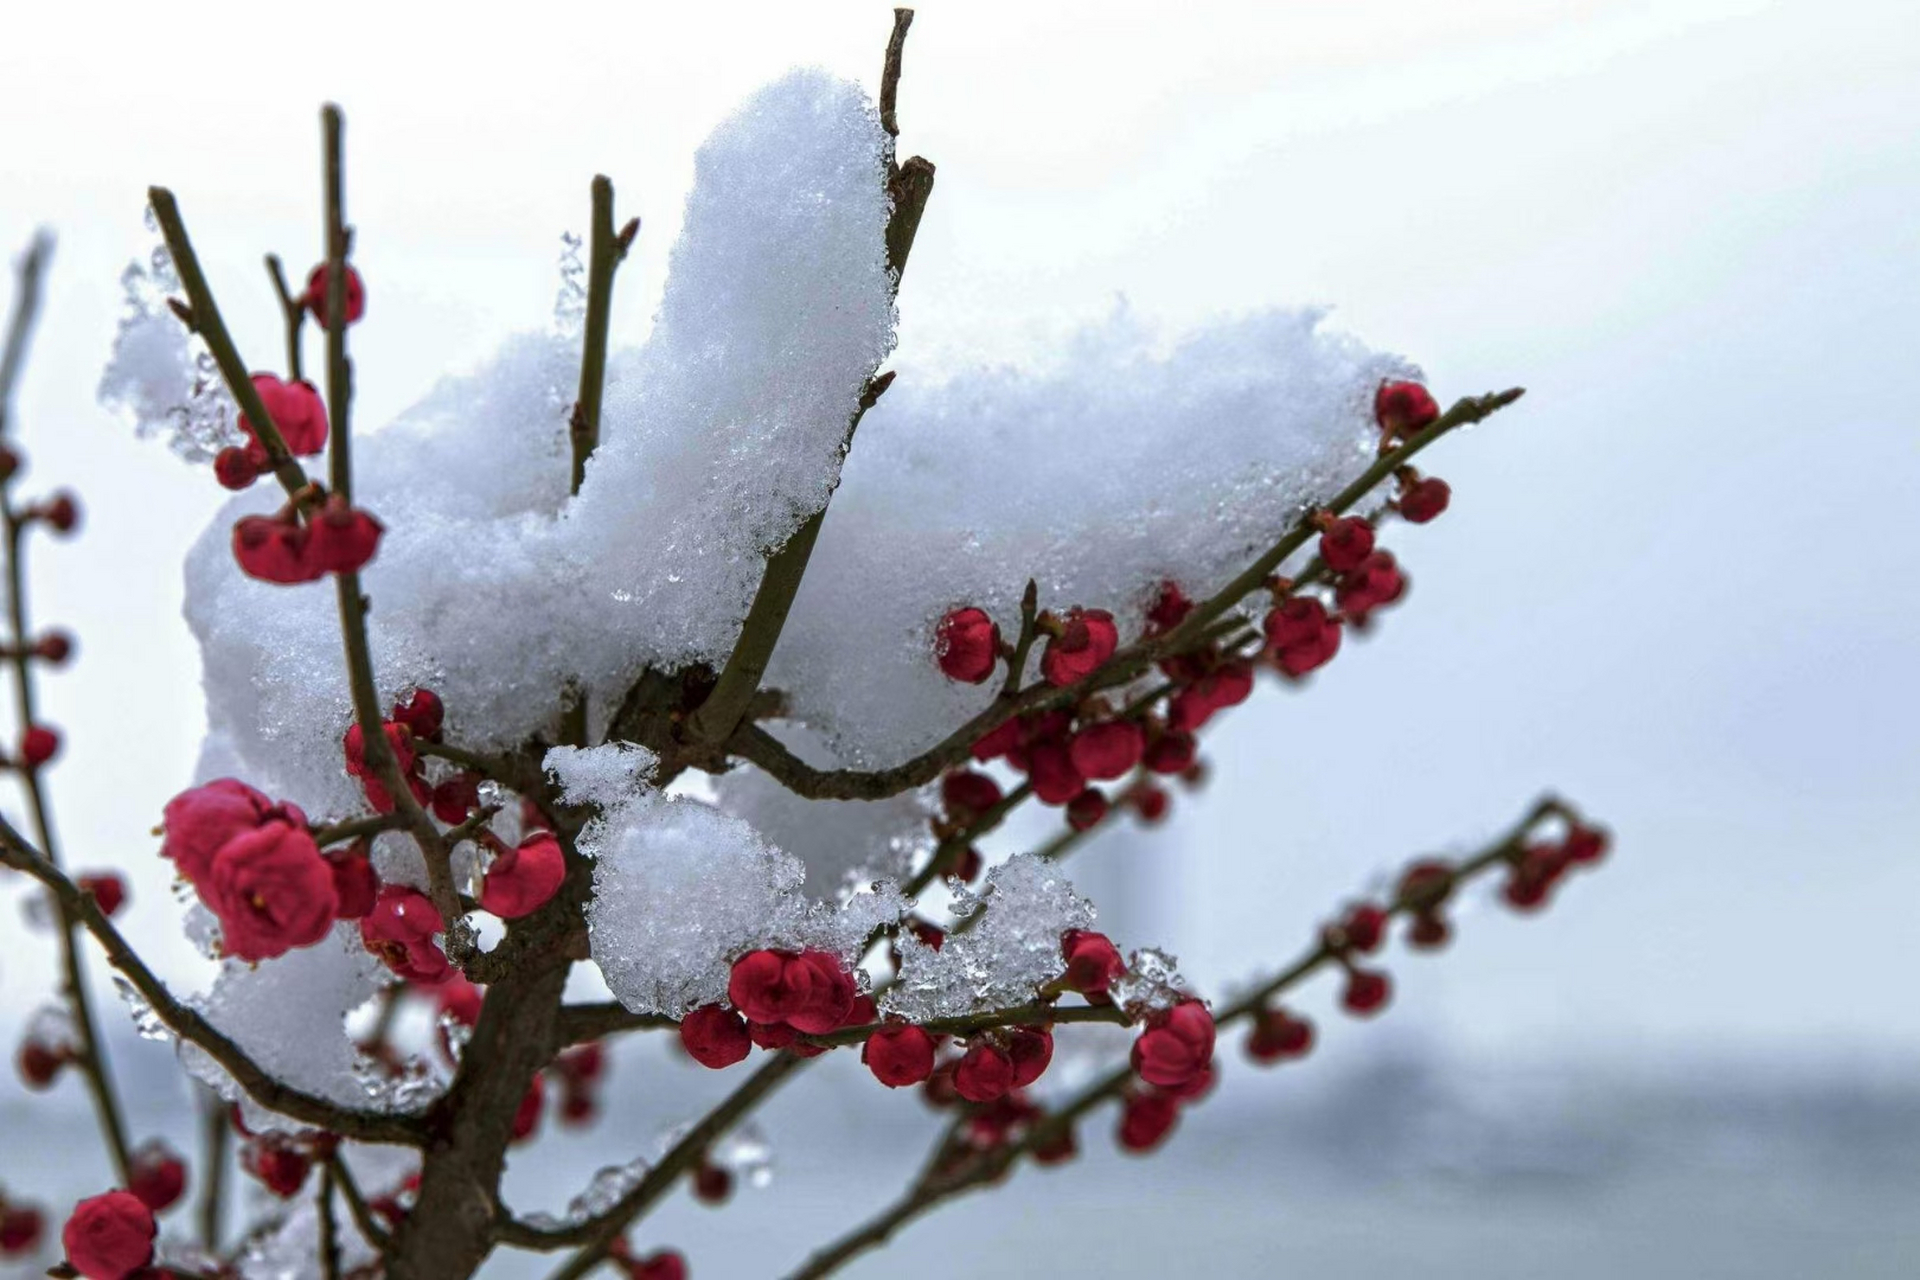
[(597, 1235), (329, 1230), (93, 1063), (215, 1135), (752, 743), (989, 1166), (192, 1026), (357, 828), (293, 314), (202, 316), (890, 72), (580, 1023), (352, 603), (609, 249), (357, 1208)]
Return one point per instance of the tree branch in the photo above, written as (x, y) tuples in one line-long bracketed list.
[(93, 1063), (609, 249), (988, 1166), (190, 1025), (752, 743), (202, 316), (293, 314)]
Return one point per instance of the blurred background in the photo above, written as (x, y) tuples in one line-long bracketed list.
[(1677, 582)]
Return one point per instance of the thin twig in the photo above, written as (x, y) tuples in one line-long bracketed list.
[(190, 1025), (608, 250), (202, 315), (93, 1063), (988, 1166), (215, 1136), (329, 1232), (597, 1235), (293, 314), (752, 743), (357, 1209)]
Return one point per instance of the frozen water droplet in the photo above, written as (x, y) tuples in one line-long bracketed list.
[(145, 1020)]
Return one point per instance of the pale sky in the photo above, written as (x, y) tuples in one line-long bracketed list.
[(1677, 581)]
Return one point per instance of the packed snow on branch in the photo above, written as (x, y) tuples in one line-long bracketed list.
[(1004, 960), (681, 888)]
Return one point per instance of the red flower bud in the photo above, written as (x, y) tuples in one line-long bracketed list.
[(1429, 931), (966, 794), (40, 1064), (62, 512), (108, 889), (54, 648), (984, 1073), (400, 931), (38, 744), (1146, 1119), (455, 798), (1345, 543), (997, 742), (423, 713), (296, 410), (712, 1184), (1030, 1049), (967, 645), (1176, 1046), (1402, 408), (235, 467), (1085, 642), (273, 549), (1301, 635), (1086, 810), (1425, 499), (110, 1237), (353, 745), (1050, 770), (664, 1265), (1150, 801), (967, 866), (282, 1169), (1585, 845), (1378, 581), (1170, 753), (830, 999), (1108, 750), (524, 878), (341, 538), (316, 295), (355, 886), (21, 1227), (1057, 1147), (1364, 928), (1278, 1036), (1093, 962), (771, 986), (899, 1055), (1169, 609), (157, 1176), (1366, 992)]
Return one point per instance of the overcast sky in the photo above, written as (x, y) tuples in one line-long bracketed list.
[(1677, 584)]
